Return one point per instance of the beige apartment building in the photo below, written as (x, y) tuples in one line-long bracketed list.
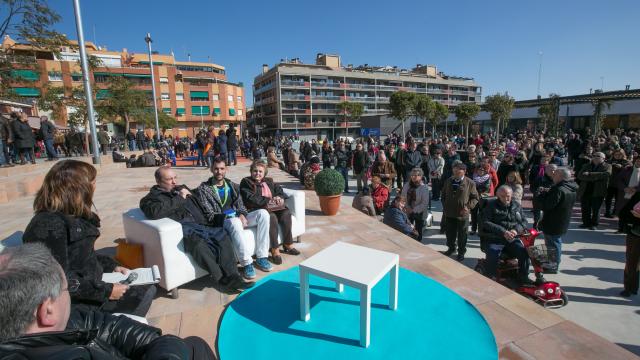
[(292, 97)]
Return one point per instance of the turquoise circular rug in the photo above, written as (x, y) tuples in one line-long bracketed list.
[(431, 322)]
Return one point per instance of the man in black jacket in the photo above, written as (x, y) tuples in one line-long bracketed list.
[(38, 321), (412, 159), (502, 222), (557, 204), (47, 131), (209, 246), (360, 166)]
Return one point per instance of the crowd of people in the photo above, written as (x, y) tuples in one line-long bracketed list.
[(393, 176)]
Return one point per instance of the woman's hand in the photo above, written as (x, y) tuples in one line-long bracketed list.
[(121, 269), (635, 213), (278, 200), (118, 291)]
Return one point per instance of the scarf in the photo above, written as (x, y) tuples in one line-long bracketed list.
[(266, 192), (540, 171), (411, 194)]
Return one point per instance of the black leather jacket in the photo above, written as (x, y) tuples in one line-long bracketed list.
[(96, 335), (498, 218), (158, 204)]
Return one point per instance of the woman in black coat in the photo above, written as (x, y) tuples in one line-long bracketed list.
[(258, 192), (65, 223), (23, 138)]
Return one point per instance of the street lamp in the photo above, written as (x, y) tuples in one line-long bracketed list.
[(539, 72), (87, 84), (153, 87)]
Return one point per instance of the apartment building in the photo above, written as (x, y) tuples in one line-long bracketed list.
[(197, 94), (292, 97)]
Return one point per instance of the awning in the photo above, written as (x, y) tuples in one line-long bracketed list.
[(166, 110), (180, 111), (216, 111), (154, 63), (137, 75), (29, 75), (200, 110), (27, 91), (199, 94), (232, 112), (102, 94)]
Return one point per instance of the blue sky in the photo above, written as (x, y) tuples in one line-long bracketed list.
[(495, 42)]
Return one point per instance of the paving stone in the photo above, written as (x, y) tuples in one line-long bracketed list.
[(528, 309), (506, 326)]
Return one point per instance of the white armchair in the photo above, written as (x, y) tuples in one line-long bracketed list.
[(163, 246)]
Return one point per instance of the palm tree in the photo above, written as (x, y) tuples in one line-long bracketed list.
[(599, 106)]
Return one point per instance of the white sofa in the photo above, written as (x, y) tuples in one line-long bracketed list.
[(163, 246)]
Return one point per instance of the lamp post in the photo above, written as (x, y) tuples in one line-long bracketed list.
[(87, 84), (153, 86), (539, 72)]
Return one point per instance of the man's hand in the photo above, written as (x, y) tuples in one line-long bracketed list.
[(184, 192), (278, 200), (244, 221), (121, 269), (464, 211), (118, 291), (509, 235), (586, 173)]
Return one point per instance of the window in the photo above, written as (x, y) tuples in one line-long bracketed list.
[(55, 76), (164, 79), (239, 98), (216, 97), (76, 77), (239, 112), (166, 110), (179, 96), (230, 98), (164, 96)]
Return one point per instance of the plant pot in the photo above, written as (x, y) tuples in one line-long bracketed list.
[(330, 204)]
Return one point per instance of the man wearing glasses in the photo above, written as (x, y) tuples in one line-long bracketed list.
[(38, 320)]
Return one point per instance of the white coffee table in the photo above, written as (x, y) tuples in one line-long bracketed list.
[(354, 266)]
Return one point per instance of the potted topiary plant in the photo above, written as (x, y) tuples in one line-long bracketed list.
[(329, 185)]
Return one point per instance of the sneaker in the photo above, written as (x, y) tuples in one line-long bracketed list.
[(526, 281), (264, 264), (460, 257), (249, 272)]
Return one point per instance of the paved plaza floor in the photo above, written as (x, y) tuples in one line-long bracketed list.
[(591, 272)]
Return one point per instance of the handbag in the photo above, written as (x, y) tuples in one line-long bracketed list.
[(272, 206), (129, 255)]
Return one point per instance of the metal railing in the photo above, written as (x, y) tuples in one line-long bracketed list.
[(294, 97), (293, 83), (325, 84), (325, 98)]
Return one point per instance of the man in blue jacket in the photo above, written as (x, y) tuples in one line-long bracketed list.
[(395, 217)]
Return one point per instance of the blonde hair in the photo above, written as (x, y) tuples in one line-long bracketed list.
[(67, 188), (260, 163)]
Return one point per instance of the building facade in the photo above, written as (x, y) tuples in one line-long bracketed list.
[(197, 94), (292, 97)]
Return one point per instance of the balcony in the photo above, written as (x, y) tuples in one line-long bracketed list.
[(360, 86), (436, 91), (320, 84), (388, 88), (325, 98), (295, 97), (291, 83), (296, 111), (361, 99), (263, 88)]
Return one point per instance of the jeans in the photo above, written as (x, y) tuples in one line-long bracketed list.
[(456, 228), (554, 243), (51, 150), (345, 174), (361, 180), (200, 161), (210, 249), (225, 157), (590, 207), (3, 158), (209, 159), (515, 249), (244, 246), (132, 145), (231, 157), (608, 200)]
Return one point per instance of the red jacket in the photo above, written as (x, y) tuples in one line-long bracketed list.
[(494, 181), (380, 196)]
